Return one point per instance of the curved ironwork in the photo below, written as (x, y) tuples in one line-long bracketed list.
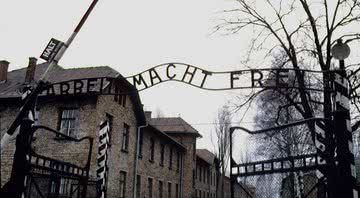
[(300, 122)]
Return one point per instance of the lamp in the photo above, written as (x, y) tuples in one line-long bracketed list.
[(340, 50)]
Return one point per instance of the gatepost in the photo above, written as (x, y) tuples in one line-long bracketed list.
[(345, 162)]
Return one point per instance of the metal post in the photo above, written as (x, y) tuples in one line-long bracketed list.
[(231, 165), (345, 166), (20, 168)]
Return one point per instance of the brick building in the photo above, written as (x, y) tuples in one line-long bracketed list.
[(76, 116), (206, 174), (185, 134), (162, 165)]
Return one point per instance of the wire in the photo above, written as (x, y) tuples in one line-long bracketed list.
[(203, 123)]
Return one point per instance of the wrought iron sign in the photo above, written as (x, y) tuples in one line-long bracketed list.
[(227, 80), (194, 76)]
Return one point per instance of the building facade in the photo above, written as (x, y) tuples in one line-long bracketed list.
[(206, 174)]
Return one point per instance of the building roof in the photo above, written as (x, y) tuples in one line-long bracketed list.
[(15, 81), (167, 137), (206, 155), (173, 125)]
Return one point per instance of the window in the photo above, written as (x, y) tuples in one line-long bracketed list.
[(63, 185), (208, 195), (177, 161), (162, 150), (214, 178), (152, 149), (121, 97), (60, 185), (138, 186), (68, 119), (124, 101), (161, 189), (53, 187), (169, 190), (125, 140), (170, 158), (150, 187), (177, 191), (208, 176), (204, 174), (122, 186), (110, 119), (196, 171)]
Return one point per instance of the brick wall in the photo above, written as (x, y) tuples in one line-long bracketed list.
[(7, 116)]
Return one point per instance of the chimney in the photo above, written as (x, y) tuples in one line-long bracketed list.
[(4, 65), (30, 70), (148, 115)]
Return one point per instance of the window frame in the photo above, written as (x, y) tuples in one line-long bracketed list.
[(169, 190), (170, 157), (178, 159), (138, 186), (125, 138), (152, 150), (161, 189), (75, 113), (177, 191), (122, 184), (162, 154), (150, 187)]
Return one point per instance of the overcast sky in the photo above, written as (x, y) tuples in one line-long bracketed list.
[(132, 36)]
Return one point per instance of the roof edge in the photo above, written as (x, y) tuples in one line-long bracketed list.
[(167, 136)]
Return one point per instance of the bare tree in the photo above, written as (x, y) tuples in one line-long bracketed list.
[(305, 30), (222, 124)]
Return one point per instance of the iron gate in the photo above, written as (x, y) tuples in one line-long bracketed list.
[(49, 177), (306, 169)]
